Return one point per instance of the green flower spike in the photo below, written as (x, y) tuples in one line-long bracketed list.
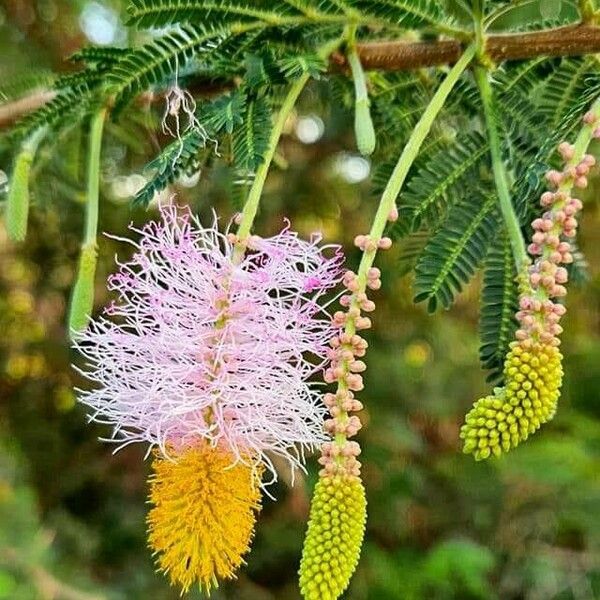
[(533, 367), (17, 205), (335, 533), (500, 422)]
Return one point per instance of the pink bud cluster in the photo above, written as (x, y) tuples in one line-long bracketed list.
[(340, 456), (539, 314)]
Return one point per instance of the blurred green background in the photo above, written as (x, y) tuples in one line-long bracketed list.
[(440, 526)]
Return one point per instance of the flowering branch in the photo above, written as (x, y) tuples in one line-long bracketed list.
[(533, 366), (332, 546)]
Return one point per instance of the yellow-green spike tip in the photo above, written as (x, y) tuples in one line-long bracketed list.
[(500, 422), (363, 128), (82, 298), (17, 204), (334, 538)]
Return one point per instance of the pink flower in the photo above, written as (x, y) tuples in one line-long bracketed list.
[(197, 346)]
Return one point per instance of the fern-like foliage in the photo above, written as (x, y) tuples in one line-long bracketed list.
[(400, 13), (403, 13), (251, 137), (24, 83), (71, 103), (100, 57), (434, 186), (159, 13), (227, 112), (455, 251), (157, 61), (499, 297), (177, 159)]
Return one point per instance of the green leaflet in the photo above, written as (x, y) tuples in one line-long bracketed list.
[(499, 301), (455, 251)]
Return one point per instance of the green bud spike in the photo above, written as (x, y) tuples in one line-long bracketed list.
[(17, 205), (363, 128), (363, 124), (499, 423), (82, 296), (334, 538)]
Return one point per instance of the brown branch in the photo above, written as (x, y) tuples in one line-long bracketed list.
[(572, 40), (11, 111)]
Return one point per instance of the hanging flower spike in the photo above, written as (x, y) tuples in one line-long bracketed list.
[(17, 204), (533, 367), (207, 359), (339, 508), (204, 349), (202, 521)]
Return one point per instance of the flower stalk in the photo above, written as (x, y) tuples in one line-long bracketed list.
[(511, 220), (248, 214), (368, 276), (251, 206)]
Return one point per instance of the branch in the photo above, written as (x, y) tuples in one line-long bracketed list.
[(572, 40), (11, 111)]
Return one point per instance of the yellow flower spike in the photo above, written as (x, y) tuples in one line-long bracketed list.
[(203, 517), (334, 538), (500, 422)]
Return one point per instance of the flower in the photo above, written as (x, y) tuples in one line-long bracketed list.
[(500, 422), (203, 516), (336, 528), (533, 367), (338, 510), (199, 346)]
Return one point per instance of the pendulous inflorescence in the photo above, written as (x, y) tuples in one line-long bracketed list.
[(533, 366), (206, 354), (202, 520), (338, 510)]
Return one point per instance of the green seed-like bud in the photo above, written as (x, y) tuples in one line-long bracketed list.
[(334, 538), (363, 128), (82, 297), (17, 205), (533, 379)]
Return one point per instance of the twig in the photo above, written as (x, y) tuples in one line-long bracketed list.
[(397, 55), (11, 111)]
